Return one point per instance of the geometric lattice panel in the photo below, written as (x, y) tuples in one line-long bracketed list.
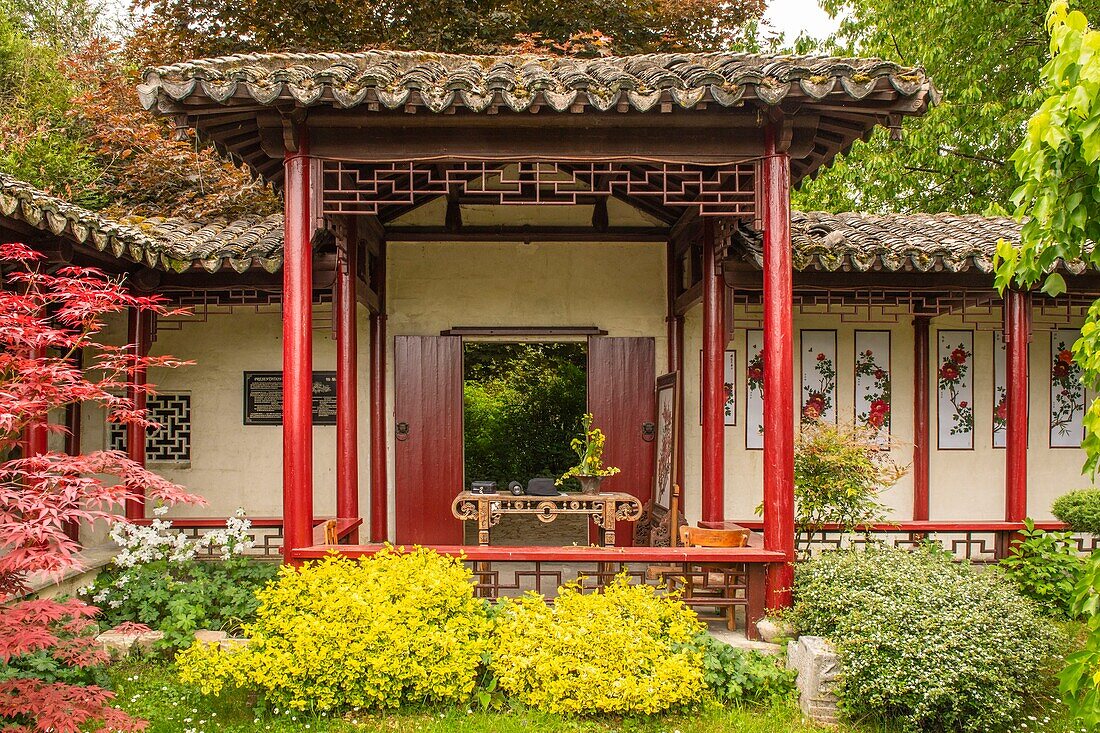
[(170, 440)]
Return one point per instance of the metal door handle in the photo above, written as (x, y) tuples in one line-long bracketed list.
[(649, 432), (402, 431)]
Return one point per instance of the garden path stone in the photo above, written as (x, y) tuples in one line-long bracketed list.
[(120, 643)]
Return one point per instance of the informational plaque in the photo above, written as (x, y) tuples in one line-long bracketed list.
[(263, 398)]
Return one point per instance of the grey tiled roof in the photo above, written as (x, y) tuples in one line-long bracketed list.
[(441, 82), (168, 244), (896, 242)]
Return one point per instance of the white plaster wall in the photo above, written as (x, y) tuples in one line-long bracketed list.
[(744, 467), (964, 484), (233, 464), (433, 286)]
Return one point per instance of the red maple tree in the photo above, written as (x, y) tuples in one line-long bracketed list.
[(46, 318)]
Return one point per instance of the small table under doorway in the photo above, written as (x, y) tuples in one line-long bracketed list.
[(605, 509)]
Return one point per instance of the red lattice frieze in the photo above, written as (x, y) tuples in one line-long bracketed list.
[(358, 188)]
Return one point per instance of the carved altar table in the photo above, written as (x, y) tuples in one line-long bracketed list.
[(605, 509)]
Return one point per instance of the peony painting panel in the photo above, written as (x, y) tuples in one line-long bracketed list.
[(729, 385), (872, 386), (818, 376), (1000, 391), (754, 390), (955, 390), (1067, 394)]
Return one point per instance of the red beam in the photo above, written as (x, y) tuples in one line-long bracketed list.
[(347, 437), (779, 531), (675, 324), (933, 526), (714, 392), (921, 430), (570, 554), (139, 334), (1017, 309), (379, 483), (297, 352)]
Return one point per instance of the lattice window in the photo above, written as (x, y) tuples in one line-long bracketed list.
[(171, 440)]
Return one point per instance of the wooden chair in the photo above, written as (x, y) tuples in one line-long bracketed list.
[(714, 576)]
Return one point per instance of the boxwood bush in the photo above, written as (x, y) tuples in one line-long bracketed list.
[(1080, 510), (934, 644), (377, 632)]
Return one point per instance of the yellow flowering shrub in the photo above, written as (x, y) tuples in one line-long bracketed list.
[(628, 650), (374, 632)]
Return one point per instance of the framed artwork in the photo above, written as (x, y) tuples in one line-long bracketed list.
[(754, 390), (729, 385), (1067, 394), (818, 376), (955, 390), (1000, 391), (667, 418), (872, 384)]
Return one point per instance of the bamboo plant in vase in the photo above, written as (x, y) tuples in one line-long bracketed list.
[(590, 471)]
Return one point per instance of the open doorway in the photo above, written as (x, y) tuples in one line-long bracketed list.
[(522, 405)]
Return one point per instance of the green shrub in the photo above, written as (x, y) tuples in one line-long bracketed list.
[(934, 644), (737, 676), (381, 631), (1045, 567), (1079, 681), (627, 650), (1080, 510), (839, 472)]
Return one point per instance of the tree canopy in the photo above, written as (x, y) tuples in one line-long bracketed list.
[(181, 29), (985, 57)]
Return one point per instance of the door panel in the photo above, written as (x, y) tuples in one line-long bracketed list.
[(428, 442), (621, 397)]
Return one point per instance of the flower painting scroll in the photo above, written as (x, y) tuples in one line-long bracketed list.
[(872, 393), (818, 376), (1000, 391), (1067, 394), (754, 391), (955, 390)]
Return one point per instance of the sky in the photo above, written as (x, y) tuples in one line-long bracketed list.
[(791, 17)]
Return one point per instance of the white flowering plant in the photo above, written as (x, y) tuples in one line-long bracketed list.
[(175, 583)]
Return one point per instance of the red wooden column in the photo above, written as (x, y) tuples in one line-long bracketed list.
[(379, 481), (714, 393), (921, 425), (139, 334), (675, 324), (37, 436), (778, 369), (347, 435), (297, 352), (1017, 311)]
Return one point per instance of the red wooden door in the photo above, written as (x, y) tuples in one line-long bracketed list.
[(428, 445), (622, 398)]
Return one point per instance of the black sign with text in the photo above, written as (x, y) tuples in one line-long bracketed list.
[(263, 398)]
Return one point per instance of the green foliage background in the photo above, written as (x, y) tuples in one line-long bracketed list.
[(985, 56), (523, 404)]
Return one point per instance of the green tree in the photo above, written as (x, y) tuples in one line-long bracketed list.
[(522, 405), (1058, 163), (985, 56)]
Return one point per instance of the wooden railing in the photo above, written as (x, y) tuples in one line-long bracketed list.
[(711, 580)]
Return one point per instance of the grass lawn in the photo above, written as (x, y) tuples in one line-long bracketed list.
[(151, 691)]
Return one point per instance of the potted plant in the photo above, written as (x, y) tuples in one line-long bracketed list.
[(590, 471)]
